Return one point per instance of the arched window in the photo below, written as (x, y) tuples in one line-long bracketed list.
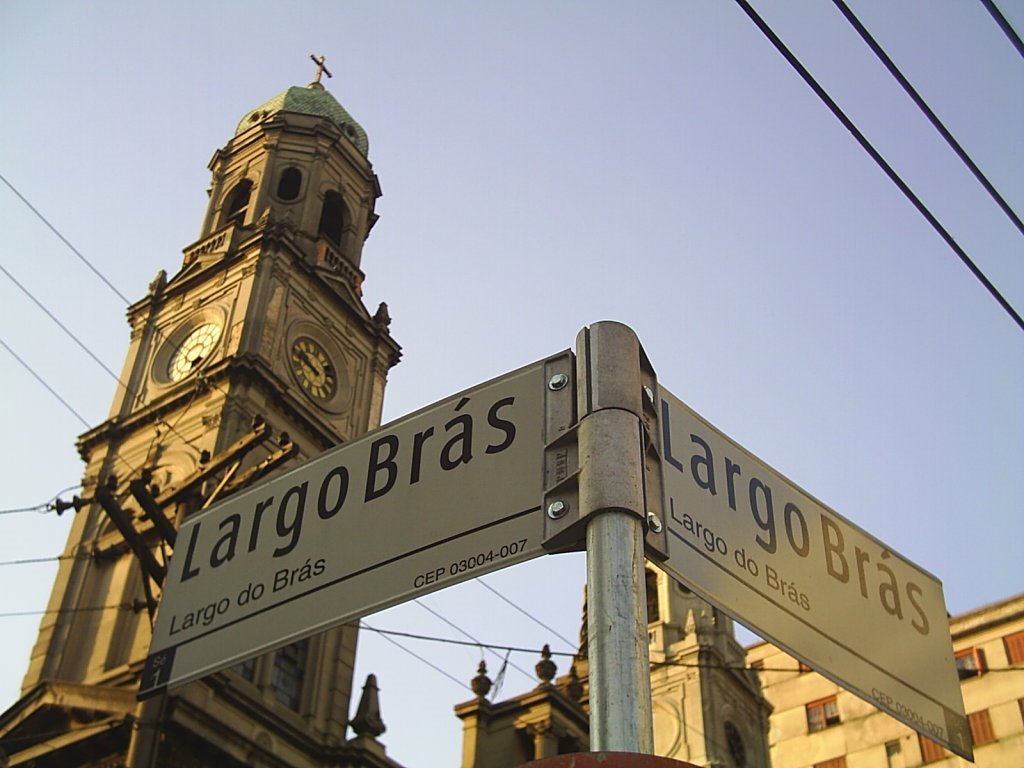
[(653, 606), (333, 218), (237, 203), (289, 184)]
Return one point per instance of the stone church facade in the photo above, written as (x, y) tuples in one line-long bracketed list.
[(256, 354)]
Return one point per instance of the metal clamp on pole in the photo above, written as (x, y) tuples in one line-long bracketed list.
[(613, 505)]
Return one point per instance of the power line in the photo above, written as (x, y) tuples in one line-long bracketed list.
[(464, 633), (81, 344), (879, 160), (523, 611), (158, 331), (1004, 25), (47, 506), (932, 117), (63, 402), (50, 389), (83, 609), (473, 644), (570, 654), (415, 655), (64, 240), (64, 328), (53, 559), (44, 507)]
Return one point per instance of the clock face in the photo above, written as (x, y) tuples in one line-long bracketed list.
[(313, 369), (194, 351)]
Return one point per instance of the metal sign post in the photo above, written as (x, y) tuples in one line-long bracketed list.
[(612, 501)]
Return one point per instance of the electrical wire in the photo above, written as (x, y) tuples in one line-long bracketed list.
[(64, 239), (64, 328), (52, 559), (42, 381), (451, 641), (1004, 25), (63, 402), (37, 508), (525, 612), (464, 633), (79, 342), (932, 117), (82, 609), (879, 160), (158, 331), (415, 655)]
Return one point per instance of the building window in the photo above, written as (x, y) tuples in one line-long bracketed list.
[(290, 183), (981, 727), (237, 203), (651, 583), (930, 751), (835, 762), (822, 714), (289, 669), (734, 742), (333, 218), (247, 669), (1014, 647), (970, 662), (894, 755)]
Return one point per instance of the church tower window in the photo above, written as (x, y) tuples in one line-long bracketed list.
[(333, 218), (237, 203), (289, 669), (290, 184)]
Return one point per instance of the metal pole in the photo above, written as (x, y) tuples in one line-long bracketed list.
[(620, 677), (612, 497)]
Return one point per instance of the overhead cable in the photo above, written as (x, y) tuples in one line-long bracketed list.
[(81, 344), (52, 559), (932, 117), (879, 160), (415, 655), (451, 641), (464, 633), (82, 609), (1004, 25), (64, 240), (525, 612), (42, 381)]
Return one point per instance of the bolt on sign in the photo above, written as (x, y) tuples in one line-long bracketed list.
[(447, 493), (750, 541)]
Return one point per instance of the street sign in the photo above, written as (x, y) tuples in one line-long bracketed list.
[(750, 541), (448, 493)]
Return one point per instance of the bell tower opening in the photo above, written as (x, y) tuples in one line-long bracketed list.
[(237, 203), (333, 218)]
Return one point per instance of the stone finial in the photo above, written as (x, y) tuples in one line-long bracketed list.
[(382, 317), (574, 686), (156, 287), (367, 721), (481, 684), (546, 668)]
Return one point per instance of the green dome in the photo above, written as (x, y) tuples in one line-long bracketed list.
[(311, 100)]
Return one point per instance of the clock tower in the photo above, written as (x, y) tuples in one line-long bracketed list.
[(257, 352)]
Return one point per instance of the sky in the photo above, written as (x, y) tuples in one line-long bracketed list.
[(545, 166)]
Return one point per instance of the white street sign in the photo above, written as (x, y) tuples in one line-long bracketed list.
[(450, 492), (745, 538)]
